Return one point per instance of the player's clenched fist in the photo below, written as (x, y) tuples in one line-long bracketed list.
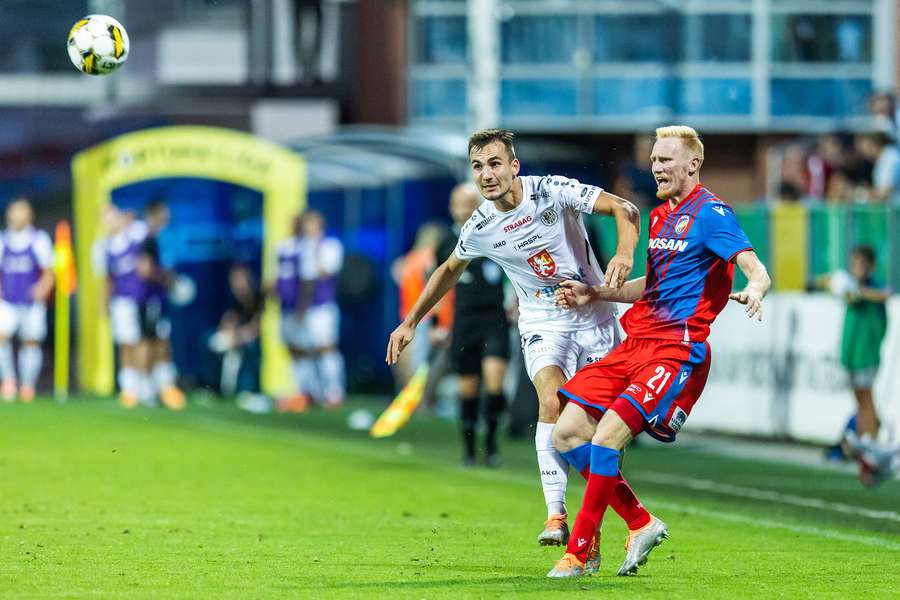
[(618, 270), (399, 340)]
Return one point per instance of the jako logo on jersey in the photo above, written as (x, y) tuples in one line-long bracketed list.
[(667, 244), (499, 244), (517, 224), (682, 224), (543, 264), (548, 217), (527, 242)]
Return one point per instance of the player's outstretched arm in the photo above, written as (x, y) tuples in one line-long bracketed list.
[(443, 278), (758, 283), (572, 294), (628, 228)]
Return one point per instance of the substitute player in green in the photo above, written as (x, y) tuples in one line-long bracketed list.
[(865, 325)]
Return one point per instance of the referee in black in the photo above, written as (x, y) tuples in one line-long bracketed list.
[(480, 336)]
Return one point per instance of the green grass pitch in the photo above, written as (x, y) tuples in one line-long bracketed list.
[(99, 502)]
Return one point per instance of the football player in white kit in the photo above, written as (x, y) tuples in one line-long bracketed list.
[(532, 228), (26, 280)]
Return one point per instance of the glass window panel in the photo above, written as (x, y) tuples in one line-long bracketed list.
[(540, 39), (635, 38), (441, 40), (715, 97), (439, 98), (724, 38), (819, 97), (632, 96), (821, 38), (539, 97)]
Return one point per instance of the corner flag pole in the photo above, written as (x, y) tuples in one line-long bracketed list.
[(64, 274)]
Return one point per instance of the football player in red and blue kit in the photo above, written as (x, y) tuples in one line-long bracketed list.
[(651, 381)]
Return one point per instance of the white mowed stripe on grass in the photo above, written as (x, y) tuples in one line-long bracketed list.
[(831, 534), (707, 485)]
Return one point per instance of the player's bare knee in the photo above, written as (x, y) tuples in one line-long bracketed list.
[(566, 438)]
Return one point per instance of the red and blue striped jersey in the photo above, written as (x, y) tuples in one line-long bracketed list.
[(690, 269)]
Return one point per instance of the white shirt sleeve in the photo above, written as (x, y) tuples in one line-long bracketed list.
[(43, 250), (887, 167), (574, 195), (467, 244), (331, 256)]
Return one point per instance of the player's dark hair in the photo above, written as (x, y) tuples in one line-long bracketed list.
[(866, 252), (154, 205), (483, 137)]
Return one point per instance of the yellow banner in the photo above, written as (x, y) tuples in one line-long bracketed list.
[(790, 247), (184, 151)]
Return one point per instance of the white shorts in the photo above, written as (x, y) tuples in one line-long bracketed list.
[(317, 328), (29, 321), (124, 321), (569, 350), (863, 378)]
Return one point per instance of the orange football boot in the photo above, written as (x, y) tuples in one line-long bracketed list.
[(26, 394), (172, 397)]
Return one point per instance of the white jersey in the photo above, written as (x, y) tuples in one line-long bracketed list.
[(539, 244)]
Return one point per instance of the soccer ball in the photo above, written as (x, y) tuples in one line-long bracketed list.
[(98, 44)]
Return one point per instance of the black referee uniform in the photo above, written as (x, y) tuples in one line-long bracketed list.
[(480, 330)]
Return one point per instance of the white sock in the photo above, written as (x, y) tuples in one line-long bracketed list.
[(146, 389), (30, 360), (164, 374), (7, 369), (304, 370), (331, 372), (554, 469), (129, 380)]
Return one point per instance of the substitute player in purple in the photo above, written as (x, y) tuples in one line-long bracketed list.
[(308, 265), (26, 280), (117, 258)]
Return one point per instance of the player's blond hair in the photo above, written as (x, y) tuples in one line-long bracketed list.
[(688, 136)]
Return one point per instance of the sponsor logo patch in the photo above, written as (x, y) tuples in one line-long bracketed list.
[(499, 244), (543, 264), (484, 222), (677, 420), (667, 244), (527, 242), (548, 217), (517, 223)]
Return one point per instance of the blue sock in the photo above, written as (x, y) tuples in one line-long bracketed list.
[(604, 461), (579, 457)]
